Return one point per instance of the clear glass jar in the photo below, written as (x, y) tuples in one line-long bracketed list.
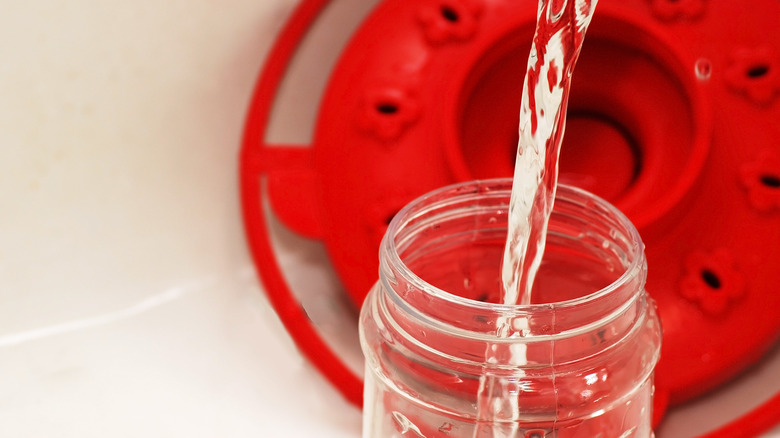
[(444, 359)]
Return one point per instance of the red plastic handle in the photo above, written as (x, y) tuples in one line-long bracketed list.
[(281, 297)]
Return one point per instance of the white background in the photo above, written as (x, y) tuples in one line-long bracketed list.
[(129, 306)]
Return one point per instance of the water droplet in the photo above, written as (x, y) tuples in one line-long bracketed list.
[(703, 69)]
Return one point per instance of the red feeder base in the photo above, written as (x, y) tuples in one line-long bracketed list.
[(673, 118)]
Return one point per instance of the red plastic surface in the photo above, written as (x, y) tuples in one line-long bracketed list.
[(673, 118), (261, 164)]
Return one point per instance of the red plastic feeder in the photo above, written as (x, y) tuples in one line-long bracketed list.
[(673, 118)]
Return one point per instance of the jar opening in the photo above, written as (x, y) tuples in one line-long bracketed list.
[(449, 244)]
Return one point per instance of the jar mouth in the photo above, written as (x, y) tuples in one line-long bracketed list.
[(501, 187)]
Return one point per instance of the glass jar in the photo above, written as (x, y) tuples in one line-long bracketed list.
[(445, 359)]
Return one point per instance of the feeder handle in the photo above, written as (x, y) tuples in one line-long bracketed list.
[(288, 308)]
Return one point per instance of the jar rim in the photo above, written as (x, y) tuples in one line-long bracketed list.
[(635, 265)]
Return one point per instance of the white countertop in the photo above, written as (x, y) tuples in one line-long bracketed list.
[(128, 303)]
